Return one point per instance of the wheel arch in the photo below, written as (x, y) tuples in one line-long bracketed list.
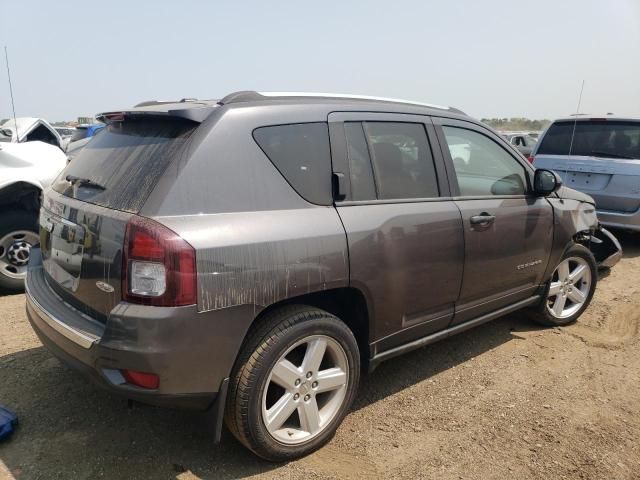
[(21, 193), (349, 304)]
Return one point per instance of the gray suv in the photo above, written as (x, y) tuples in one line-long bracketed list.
[(253, 255)]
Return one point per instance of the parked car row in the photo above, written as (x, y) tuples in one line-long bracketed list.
[(599, 156), (252, 255)]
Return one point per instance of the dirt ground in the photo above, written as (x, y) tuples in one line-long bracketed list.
[(505, 400)]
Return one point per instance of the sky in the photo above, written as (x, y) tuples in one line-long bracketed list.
[(490, 58)]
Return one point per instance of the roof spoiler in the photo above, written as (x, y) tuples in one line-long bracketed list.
[(198, 114)]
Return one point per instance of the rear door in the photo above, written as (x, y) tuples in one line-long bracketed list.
[(600, 157), (507, 230), (404, 232)]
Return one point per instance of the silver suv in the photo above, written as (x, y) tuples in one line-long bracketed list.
[(252, 255), (601, 157)]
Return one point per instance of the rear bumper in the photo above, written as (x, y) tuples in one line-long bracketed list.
[(191, 353), (629, 221)]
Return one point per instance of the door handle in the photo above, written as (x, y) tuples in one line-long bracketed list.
[(483, 219), (339, 186)]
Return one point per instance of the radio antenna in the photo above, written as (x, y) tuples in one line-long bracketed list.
[(575, 119), (13, 107)]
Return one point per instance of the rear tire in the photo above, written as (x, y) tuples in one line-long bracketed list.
[(570, 289), (293, 383), (18, 233)]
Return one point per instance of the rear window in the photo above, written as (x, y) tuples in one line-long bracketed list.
[(127, 159), (599, 138), (301, 153)]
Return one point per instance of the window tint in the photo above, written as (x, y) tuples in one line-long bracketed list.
[(127, 159), (482, 167), (301, 153), (362, 186), (402, 160), (600, 138)]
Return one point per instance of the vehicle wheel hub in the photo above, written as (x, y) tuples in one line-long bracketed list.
[(15, 250), (18, 253)]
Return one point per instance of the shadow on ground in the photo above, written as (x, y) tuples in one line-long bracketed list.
[(7, 293)]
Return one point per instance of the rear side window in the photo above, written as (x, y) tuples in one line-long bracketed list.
[(402, 160), (599, 138), (301, 153), (126, 160)]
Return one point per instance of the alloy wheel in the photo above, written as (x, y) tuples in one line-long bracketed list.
[(305, 390), (569, 287)]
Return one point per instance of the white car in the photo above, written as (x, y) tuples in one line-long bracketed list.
[(30, 159)]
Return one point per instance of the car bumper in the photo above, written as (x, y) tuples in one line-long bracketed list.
[(605, 248), (192, 353), (629, 221)]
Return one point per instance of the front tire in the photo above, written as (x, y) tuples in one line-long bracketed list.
[(294, 382), (570, 289), (18, 234)]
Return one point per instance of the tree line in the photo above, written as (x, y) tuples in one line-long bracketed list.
[(516, 123)]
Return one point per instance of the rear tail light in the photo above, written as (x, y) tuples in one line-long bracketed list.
[(159, 266), (531, 158), (141, 379)]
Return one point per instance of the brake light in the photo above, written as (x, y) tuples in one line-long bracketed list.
[(141, 379), (531, 158), (113, 117), (159, 266)]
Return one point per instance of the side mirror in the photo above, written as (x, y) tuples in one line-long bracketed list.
[(545, 182)]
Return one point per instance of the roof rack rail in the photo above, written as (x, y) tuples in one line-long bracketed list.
[(241, 96), (252, 96)]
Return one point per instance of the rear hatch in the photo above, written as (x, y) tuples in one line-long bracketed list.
[(84, 216), (600, 157)]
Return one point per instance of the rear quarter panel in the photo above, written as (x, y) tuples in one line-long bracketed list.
[(260, 258)]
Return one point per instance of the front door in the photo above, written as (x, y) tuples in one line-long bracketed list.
[(404, 232), (508, 231)]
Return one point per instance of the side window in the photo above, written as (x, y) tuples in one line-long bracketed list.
[(301, 153), (481, 166), (402, 161), (362, 186)]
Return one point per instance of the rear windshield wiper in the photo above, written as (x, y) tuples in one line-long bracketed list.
[(612, 155), (72, 179)]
